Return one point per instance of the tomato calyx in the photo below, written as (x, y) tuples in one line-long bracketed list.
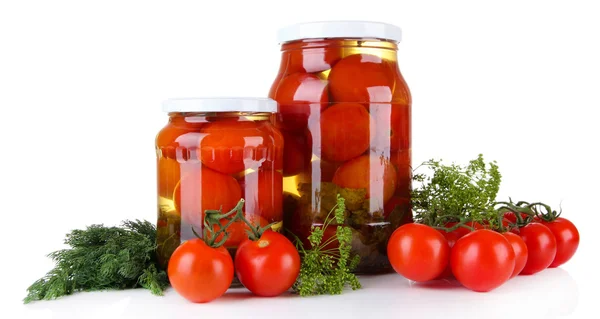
[(214, 219), (463, 222), (548, 214), (524, 213)]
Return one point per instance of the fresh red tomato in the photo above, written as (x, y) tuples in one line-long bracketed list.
[(263, 193), (268, 266), (299, 95), (202, 189), (567, 240), (520, 250), (341, 141), (418, 252), (482, 260), (451, 237), (199, 272), (541, 247)]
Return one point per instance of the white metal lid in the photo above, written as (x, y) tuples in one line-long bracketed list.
[(220, 104), (339, 29)]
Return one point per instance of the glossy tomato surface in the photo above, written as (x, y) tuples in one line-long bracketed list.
[(451, 237), (418, 252), (269, 266), (199, 272), (567, 240), (520, 249), (482, 260), (541, 247)]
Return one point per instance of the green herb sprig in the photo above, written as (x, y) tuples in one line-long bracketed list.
[(456, 193), (103, 258), (327, 271)]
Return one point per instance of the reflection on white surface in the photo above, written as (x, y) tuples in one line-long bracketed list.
[(550, 294)]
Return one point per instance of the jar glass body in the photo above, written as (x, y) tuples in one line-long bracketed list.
[(345, 114), (211, 161)]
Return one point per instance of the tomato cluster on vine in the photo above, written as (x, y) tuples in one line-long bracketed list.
[(516, 239)]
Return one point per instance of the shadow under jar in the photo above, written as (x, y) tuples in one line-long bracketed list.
[(345, 115), (212, 153)]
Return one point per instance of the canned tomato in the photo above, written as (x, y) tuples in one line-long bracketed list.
[(345, 115), (211, 153)]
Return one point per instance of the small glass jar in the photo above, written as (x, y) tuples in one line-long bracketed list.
[(212, 153), (345, 115)]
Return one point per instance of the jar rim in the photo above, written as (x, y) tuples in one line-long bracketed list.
[(339, 29), (220, 104)]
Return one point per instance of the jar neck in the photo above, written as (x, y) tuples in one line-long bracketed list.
[(340, 43), (205, 117)]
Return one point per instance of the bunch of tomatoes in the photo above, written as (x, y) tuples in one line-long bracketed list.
[(266, 262), (480, 256)]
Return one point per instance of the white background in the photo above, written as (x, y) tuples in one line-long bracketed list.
[(81, 84)]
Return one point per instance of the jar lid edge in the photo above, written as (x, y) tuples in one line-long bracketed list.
[(220, 104), (339, 29)]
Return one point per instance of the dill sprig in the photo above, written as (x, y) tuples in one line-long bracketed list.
[(103, 258), (456, 193), (327, 271)]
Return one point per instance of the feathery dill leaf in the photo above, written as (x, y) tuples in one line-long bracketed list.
[(324, 272), (456, 193), (103, 258)]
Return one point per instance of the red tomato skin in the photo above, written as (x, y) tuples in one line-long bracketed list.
[(199, 272), (418, 252), (482, 260), (541, 247), (269, 266), (567, 240), (451, 237), (520, 250)]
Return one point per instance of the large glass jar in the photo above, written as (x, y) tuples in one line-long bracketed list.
[(345, 115), (212, 153)]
